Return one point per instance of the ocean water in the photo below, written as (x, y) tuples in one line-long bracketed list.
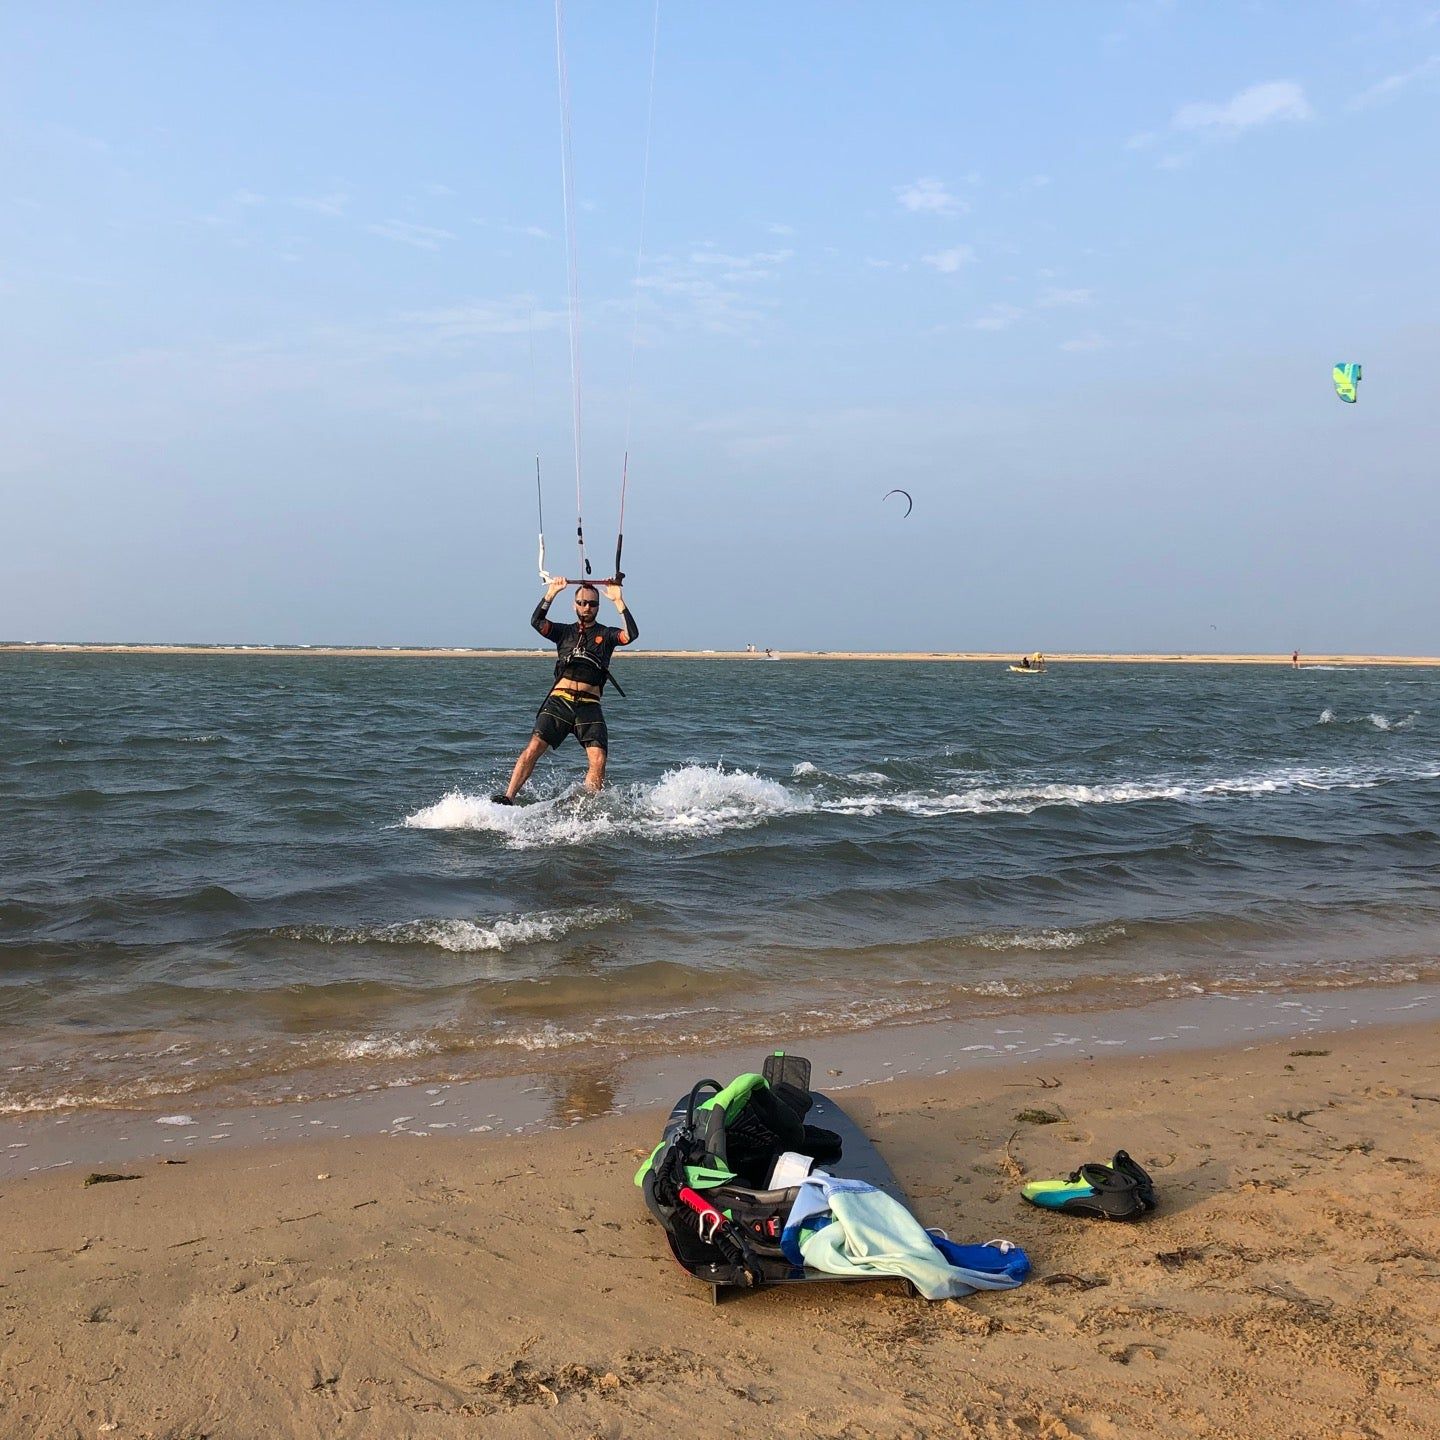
[(274, 878)]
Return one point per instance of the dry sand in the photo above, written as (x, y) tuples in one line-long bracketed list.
[(389, 1288)]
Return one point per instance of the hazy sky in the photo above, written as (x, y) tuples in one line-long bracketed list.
[(282, 300)]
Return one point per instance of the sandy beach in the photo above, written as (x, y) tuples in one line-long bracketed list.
[(1054, 658), (383, 1287)]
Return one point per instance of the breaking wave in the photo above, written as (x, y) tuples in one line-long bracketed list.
[(1374, 719), (462, 937)]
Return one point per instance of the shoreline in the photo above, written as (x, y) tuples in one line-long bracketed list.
[(376, 1287), (550, 1096), (402, 652)]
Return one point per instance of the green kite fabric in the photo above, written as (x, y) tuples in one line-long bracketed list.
[(1346, 377)]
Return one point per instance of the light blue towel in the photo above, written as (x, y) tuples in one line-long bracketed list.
[(870, 1234)]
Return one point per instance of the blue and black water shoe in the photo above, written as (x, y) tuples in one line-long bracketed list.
[(1102, 1192)]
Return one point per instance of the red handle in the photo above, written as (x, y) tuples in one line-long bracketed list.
[(704, 1209), (698, 1203)]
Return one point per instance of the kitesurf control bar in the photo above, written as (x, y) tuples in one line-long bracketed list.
[(617, 579), (722, 1232)]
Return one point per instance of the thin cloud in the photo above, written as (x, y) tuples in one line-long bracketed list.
[(928, 196), (743, 267), (1392, 85), (998, 317), (723, 293), (947, 262), (423, 237), (333, 204), (382, 363), (775, 228), (1055, 298), (1084, 343), (456, 324), (1262, 104)]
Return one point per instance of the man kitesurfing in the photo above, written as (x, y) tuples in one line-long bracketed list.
[(582, 668), (584, 649)]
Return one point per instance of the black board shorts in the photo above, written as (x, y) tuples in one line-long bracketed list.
[(562, 715)]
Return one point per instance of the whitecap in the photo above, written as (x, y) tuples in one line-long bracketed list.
[(464, 937)]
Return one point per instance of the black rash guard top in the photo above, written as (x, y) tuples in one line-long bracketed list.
[(583, 651)]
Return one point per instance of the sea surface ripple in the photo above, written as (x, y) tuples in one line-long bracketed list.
[(282, 877)]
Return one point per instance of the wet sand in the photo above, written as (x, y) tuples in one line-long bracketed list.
[(420, 1287), (1055, 658)]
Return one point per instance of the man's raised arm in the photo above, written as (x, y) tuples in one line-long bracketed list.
[(630, 631), (538, 620)]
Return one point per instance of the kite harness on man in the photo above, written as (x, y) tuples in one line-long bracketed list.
[(583, 652)]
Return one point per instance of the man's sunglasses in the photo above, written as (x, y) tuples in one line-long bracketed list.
[(589, 604)]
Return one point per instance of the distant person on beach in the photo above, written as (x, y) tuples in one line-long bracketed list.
[(1294, 659), (582, 668)]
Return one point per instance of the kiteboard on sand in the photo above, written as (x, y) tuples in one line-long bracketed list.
[(858, 1159), (731, 1185)]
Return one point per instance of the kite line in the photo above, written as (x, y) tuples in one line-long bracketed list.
[(567, 175)]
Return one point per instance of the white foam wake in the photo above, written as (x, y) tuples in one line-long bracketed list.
[(1025, 799), (696, 797), (692, 800), (700, 800)]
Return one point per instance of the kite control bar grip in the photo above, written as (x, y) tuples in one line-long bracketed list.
[(617, 579), (711, 1220), (722, 1232)]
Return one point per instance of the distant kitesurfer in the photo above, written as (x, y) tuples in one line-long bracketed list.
[(582, 667), (1294, 659)]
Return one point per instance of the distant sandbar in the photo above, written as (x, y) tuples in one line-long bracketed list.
[(389, 652)]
